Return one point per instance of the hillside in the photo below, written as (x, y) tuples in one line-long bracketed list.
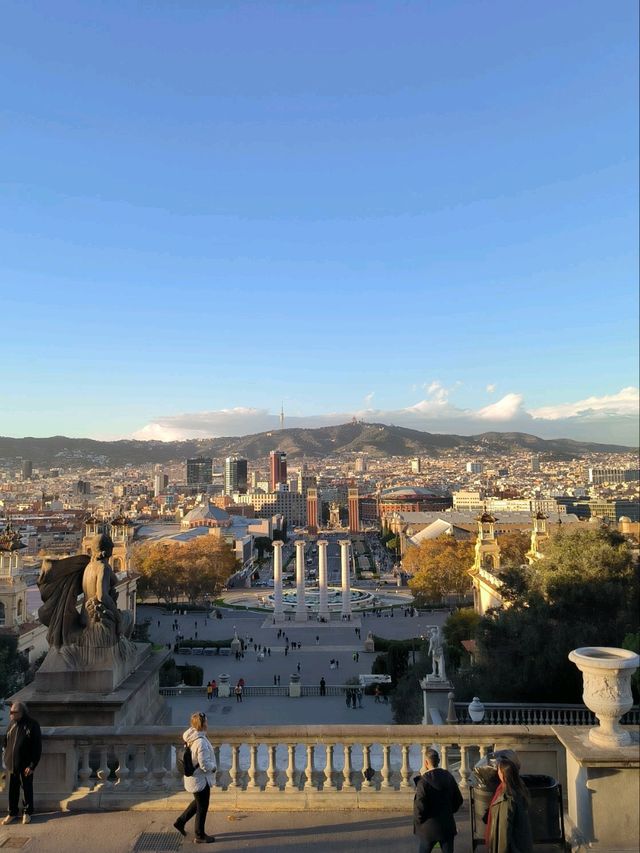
[(355, 437)]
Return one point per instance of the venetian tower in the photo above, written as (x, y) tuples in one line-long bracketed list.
[(13, 589)]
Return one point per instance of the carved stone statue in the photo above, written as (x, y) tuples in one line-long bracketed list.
[(436, 650), (99, 630)]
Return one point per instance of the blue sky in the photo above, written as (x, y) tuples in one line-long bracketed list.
[(421, 212)]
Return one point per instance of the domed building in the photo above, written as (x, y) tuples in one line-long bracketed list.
[(205, 514)]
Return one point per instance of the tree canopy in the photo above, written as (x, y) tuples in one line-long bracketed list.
[(170, 570), (439, 567), (583, 592), (514, 546)]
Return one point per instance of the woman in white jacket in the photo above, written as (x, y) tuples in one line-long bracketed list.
[(203, 779)]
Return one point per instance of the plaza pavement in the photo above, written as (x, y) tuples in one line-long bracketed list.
[(337, 640), (278, 832)]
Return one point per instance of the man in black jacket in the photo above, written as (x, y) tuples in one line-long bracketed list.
[(436, 800), (22, 751)]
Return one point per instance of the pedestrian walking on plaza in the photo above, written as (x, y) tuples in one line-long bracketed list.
[(275, 680), (436, 800), (317, 640), (298, 667), (238, 692), (209, 691), (508, 824), (347, 697), (377, 693), (323, 687), (202, 780), (359, 695), (22, 751), (214, 686)]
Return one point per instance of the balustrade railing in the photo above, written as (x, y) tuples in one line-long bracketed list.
[(538, 714), (115, 767), (260, 690)]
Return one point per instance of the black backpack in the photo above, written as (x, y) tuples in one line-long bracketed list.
[(184, 761)]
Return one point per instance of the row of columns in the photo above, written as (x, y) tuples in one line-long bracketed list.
[(301, 614)]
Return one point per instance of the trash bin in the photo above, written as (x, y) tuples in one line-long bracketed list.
[(545, 806)]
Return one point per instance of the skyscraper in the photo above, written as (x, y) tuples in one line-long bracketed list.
[(354, 511), (199, 471), (27, 469), (312, 511), (277, 468), (235, 475)]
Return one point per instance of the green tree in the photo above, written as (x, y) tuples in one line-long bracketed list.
[(439, 567), (583, 593), (514, 546), (461, 625), (13, 665)]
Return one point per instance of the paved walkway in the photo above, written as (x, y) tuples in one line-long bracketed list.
[(336, 640), (293, 832)]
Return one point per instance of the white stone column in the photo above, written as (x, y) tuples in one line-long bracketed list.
[(301, 607), (346, 579), (278, 612), (323, 603)]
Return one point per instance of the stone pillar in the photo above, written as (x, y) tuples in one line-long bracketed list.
[(301, 608), (323, 605), (346, 579), (278, 612)]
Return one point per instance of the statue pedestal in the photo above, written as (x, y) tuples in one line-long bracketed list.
[(73, 698), (436, 694)]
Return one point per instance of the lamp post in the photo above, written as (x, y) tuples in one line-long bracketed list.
[(425, 707)]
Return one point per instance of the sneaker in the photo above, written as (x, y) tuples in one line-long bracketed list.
[(9, 819), (26, 818), (177, 825), (204, 839)]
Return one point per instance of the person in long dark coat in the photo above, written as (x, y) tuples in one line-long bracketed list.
[(436, 800), (509, 827)]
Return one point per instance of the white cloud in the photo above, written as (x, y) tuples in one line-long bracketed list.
[(611, 418), (504, 409), (369, 398), (491, 388), (625, 402)]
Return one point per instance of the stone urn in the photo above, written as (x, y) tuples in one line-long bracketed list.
[(224, 686), (606, 675)]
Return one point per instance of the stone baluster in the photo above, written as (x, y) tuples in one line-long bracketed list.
[(347, 783), (159, 772), (330, 770), (367, 778), (464, 768), (234, 775), (291, 768), (103, 772), (386, 766), (309, 768), (444, 757), (405, 770), (253, 766), (84, 773), (485, 750), (423, 757), (272, 771), (140, 781), (123, 773)]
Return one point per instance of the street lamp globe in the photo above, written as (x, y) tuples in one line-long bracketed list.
[(476, 710)]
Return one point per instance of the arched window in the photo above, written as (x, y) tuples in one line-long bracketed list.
[(2, 616), (20, 608), (117, 564)]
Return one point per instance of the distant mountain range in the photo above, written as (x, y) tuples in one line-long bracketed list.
[(357, 437)]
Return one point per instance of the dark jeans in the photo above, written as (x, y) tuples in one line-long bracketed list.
[(16, 781), (427, 846), (199, 806)]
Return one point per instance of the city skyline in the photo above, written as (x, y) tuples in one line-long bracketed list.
[(408, 213)]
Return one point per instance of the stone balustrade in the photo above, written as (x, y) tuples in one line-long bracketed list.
[(538, 714), (273, 767)]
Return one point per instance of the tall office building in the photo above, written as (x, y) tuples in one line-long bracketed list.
[(535, 464), (474, 467), (27, 469), (277, 469), (416, 465), (160, 482), (313, 514), (235, 475), (200, 471), (354, 511), (361, 465), (598, 476)]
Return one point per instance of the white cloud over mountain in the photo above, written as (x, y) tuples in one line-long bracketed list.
[(611, 418)]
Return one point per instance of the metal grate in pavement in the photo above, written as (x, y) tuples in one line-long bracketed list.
[(158, 842), (14, 842)]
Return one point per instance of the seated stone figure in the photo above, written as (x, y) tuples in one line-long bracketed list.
[(99, 627)]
